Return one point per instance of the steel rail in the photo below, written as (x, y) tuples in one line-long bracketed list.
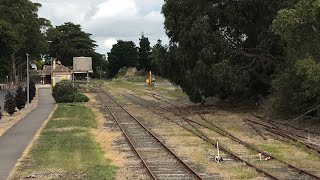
[(285, 135), (160, 141), (209, 141), (129, 140), (285, 124), (273, 129), (299, 170)]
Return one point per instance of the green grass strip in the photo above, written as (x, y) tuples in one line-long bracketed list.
[(66, 145)]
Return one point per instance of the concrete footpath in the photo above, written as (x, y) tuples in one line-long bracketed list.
[(17, 138)]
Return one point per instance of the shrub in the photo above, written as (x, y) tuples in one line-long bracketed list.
[(10, 104), (20, 98), (298, 89), (32, 92), (78, 97), (122, 72), (64, 92)]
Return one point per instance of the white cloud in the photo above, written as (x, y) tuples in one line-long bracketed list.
[(110, 42), (154, 16), (116, 9), (109, 20)]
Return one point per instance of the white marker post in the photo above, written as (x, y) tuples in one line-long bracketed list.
[(260, 156), (218, 158)]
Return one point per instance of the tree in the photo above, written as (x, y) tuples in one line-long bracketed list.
[(297, 85), (68, 41), (299, 26), (144, 61), (235, 35), (20, 19), (158, 58), (10, 104), (122, 54), (297, 89), (20, 98)]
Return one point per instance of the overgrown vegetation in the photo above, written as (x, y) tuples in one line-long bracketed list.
[(20, 98), (297, 85), (66, 145), (244, 49), (32, 91), (64, 92), (10, 104)]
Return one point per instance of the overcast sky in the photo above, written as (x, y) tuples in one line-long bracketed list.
[(109, 20)]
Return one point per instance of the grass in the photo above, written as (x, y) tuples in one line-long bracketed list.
[(72, 115), (166, 89), (66, 145)]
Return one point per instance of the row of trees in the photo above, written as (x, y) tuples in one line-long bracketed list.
[(18, 100), (235, 50), (126, 54), (22, 31), (68, 41)]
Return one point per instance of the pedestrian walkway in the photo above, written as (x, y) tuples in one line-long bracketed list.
[(17, 138)]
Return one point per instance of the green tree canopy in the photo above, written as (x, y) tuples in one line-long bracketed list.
[(68, 41), (158, 58), (144, 51), (297, 86), (300, 28), (236, 35), (21, 25), (122, 54)]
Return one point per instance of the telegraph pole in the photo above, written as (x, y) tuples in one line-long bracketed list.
[(28, 81)]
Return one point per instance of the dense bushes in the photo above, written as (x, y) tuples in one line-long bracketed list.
[(298, 88), (20, 98), (64, 92), (32, 91), (10, 104)]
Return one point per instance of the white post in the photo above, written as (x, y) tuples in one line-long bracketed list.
[(28, 82), (260, 156), (87, 80), (73, 78), (218, 148)]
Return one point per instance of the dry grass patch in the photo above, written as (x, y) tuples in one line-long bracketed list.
[(107, 140)]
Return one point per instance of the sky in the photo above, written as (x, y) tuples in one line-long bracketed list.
[(109, 20)]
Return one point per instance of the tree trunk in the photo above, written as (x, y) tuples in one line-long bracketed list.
[(14, 69)]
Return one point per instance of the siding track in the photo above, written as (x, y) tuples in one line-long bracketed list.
[(280, 170)]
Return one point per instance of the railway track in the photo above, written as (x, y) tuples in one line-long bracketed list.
[(271, 126), (158, 159), (288, 171), (287, 136)]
